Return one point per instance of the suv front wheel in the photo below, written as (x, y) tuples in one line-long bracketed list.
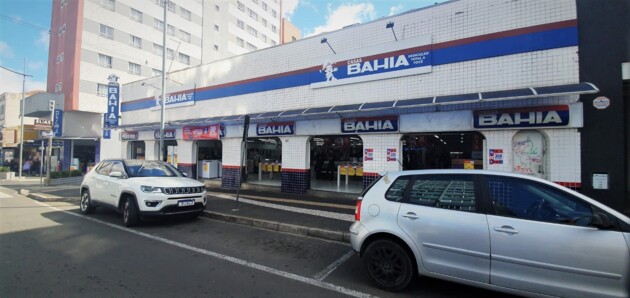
[(86, 202), (130, 213)]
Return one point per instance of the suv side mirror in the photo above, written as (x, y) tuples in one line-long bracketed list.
[(117, 174), (600, 221)]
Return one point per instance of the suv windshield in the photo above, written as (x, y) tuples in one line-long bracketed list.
[(144, 168)]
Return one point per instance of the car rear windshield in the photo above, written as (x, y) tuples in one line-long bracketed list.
[(151, 169)]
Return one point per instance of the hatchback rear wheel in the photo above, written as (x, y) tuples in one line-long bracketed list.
[(388, 264)]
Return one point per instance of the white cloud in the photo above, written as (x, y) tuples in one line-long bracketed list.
[(5, 50), (35, 65), (10, 82), (289, 7), (345, 15), (396, 9), (43, 40)]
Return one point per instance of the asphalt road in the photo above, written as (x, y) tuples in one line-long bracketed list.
[(49, 249)]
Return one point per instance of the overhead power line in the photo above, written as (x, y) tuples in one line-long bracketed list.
[(24, 23)]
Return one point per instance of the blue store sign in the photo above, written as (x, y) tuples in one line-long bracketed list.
[(113, 100), (58, 123), (371, 124), (275, 129), (543, 116)]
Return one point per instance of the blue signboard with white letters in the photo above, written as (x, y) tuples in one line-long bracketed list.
[(113, 99), (107, 134), (371, 124), (275, 129), (57, 123), (523, 117)]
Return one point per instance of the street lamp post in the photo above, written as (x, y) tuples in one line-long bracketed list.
[(163, 100), (22, 104)]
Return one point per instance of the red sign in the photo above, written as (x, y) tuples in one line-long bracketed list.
[(208, 132)]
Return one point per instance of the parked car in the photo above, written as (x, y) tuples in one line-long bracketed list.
[(139, 188), (502, 231)]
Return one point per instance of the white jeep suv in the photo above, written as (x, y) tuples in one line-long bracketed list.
[(138, 188)]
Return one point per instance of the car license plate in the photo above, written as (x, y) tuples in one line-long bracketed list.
[(184, 203)]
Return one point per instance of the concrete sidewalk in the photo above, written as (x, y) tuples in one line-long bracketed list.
[(322, 215)]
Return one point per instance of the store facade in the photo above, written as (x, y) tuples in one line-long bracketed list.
[(455, 89)]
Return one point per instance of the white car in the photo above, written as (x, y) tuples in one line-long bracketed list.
[(502, 231), (138, 188)]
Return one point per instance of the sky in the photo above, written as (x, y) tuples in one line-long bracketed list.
[(24, 26)]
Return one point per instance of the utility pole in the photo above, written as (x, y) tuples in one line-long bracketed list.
[(22, 103), (163, 100)]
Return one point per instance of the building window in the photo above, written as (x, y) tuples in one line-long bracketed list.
[(252, 14), (170, 54), (107, 31), (101, 90), (263, 37), (240, 24), (61, 30), (158, 25), (264, 6), (185, 36), (160, 3), (59, 58), (216, 48), (136, 15), (105, 61), (264, 22), (274, 29), (171, 6), (216, 27), (157, 49), (135, 41), (273, 42), (109, 4), (293, 38), (240, 42), (252, 31), (274, 13), (58, 87), (183, 58), (216, 7), (156, 72), (185, 13), (240, 6), (251, 47), (170, 30), (134, 68), (255, 1)]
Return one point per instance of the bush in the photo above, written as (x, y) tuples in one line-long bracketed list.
[(65, 174), (75, 173), (4, 169), (54, 175)]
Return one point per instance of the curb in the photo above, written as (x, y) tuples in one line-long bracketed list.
[(280, 227), (247, 221)]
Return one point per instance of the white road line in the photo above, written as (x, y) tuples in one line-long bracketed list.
[(327, 214), (288, 275), (5, 196), (332, 267)]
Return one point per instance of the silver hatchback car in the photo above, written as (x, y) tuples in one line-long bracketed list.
[(502, 231)]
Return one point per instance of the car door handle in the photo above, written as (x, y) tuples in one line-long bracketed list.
[(506, 229), (410, 215)]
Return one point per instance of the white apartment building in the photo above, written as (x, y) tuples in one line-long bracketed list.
[(91, 39)]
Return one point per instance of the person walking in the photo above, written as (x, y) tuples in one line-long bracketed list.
[(27, 167)]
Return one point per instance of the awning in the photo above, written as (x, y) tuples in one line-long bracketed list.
[(385, 107)]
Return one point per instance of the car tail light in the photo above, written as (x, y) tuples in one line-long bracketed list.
[(357, 211)]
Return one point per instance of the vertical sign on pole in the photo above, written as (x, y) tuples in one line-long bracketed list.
[(243, 157), (107, 134), (51, 108), (113, 100)]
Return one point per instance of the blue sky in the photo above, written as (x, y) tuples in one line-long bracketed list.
[(24, 30)]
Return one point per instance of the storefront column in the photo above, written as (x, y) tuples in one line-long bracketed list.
[(296, 176), (186, 158), (231, 158), (149, 150), (386, 152)]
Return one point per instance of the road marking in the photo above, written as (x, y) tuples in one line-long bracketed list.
[(332, 267), (5, 196), (327, 214), (288, 275)]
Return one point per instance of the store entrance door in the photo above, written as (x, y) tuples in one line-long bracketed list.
[(451, 150)]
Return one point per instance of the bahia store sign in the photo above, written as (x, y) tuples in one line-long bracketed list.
[(371, 124), (173, 100), (275, 129), (402, 58), (544, 116)]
